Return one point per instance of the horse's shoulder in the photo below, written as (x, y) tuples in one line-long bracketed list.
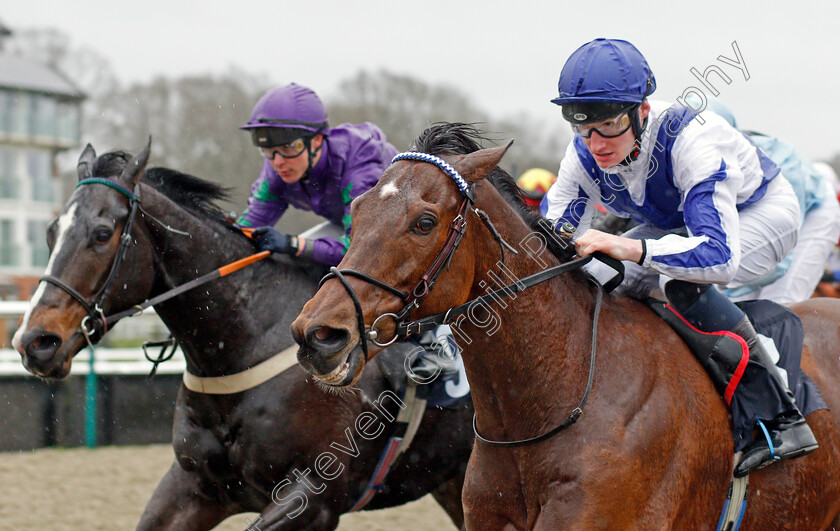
[(820, 319), (636, 313)]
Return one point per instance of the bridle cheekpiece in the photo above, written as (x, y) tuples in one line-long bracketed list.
[(412, 299), (95, 319)]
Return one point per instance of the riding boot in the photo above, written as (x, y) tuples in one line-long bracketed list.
[(756, 392), (786, 436)]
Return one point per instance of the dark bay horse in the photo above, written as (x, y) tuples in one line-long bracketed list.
[(653, 447), (259, 450)]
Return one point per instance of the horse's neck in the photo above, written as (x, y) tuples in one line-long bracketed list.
[(227, 324), (523, 361)]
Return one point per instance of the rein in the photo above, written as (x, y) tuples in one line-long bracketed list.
[(421, 290), (412, 300), (457, 229), (194, 283), (431, 322), (576, 412)]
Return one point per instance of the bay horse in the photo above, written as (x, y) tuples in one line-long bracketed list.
[(651, 449), (251, 450)]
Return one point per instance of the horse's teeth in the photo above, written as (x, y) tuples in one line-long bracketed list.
[(337, 375)]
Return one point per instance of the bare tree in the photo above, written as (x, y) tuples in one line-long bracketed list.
[(194, 122), (404, 106)]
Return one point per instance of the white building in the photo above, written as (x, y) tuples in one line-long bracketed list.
[(40, 115)]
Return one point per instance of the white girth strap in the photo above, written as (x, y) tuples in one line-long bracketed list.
[(407, 423), (411, 415), (242, 381), (736, 502)]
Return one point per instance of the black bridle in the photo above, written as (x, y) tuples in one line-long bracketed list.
[(95, 320), (412, 300)]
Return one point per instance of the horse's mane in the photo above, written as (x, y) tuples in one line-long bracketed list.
[(444, 138), (194, 194)]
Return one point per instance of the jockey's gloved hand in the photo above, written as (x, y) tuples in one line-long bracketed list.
[(607, 271), (268, 239)]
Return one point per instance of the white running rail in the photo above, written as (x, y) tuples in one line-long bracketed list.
[(108, 361)]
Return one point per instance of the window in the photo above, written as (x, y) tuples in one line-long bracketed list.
[(5, 111), (36, 234), (67, 125), (40, 175), (8, 249), (9, 183), (42, 115), (18, 113)]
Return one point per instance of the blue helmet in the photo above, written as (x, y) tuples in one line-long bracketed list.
[(603, 78)]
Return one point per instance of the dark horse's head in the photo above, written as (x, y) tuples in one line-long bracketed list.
[(399, 227), (84, 242)]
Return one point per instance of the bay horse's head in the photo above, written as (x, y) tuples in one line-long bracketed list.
[(405, 232), (85, 262)]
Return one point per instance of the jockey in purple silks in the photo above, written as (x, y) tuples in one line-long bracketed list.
[(312, 167)]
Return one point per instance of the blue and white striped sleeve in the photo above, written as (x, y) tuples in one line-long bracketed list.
[(566, 200), (712, 250)]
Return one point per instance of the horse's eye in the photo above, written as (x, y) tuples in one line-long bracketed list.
[(103, 235), (424, 225)]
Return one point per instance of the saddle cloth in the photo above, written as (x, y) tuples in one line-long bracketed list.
[(782, 335), (449, 388)]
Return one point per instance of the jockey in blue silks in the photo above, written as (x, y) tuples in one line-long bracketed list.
[(713, 210)]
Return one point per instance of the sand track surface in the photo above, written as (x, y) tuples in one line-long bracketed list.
[(106, 488)]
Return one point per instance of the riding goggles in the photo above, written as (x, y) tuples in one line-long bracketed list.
[(287, 151), (610, 128)]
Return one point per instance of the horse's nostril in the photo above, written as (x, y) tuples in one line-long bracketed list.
[(43, 347), (328, 340), (323, 349)]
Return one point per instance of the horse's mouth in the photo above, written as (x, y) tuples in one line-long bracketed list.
[(51, 370), (347, 372)]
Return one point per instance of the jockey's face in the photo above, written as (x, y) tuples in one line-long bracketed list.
[(293, 169), (609, 152)]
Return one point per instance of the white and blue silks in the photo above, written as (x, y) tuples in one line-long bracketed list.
[(796, 276), (719, 208)]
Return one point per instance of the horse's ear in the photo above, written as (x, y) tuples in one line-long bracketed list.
[(132, 171), (85, 166), (479, 163)]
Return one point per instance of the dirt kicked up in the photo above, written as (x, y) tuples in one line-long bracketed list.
[(107, 488)]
